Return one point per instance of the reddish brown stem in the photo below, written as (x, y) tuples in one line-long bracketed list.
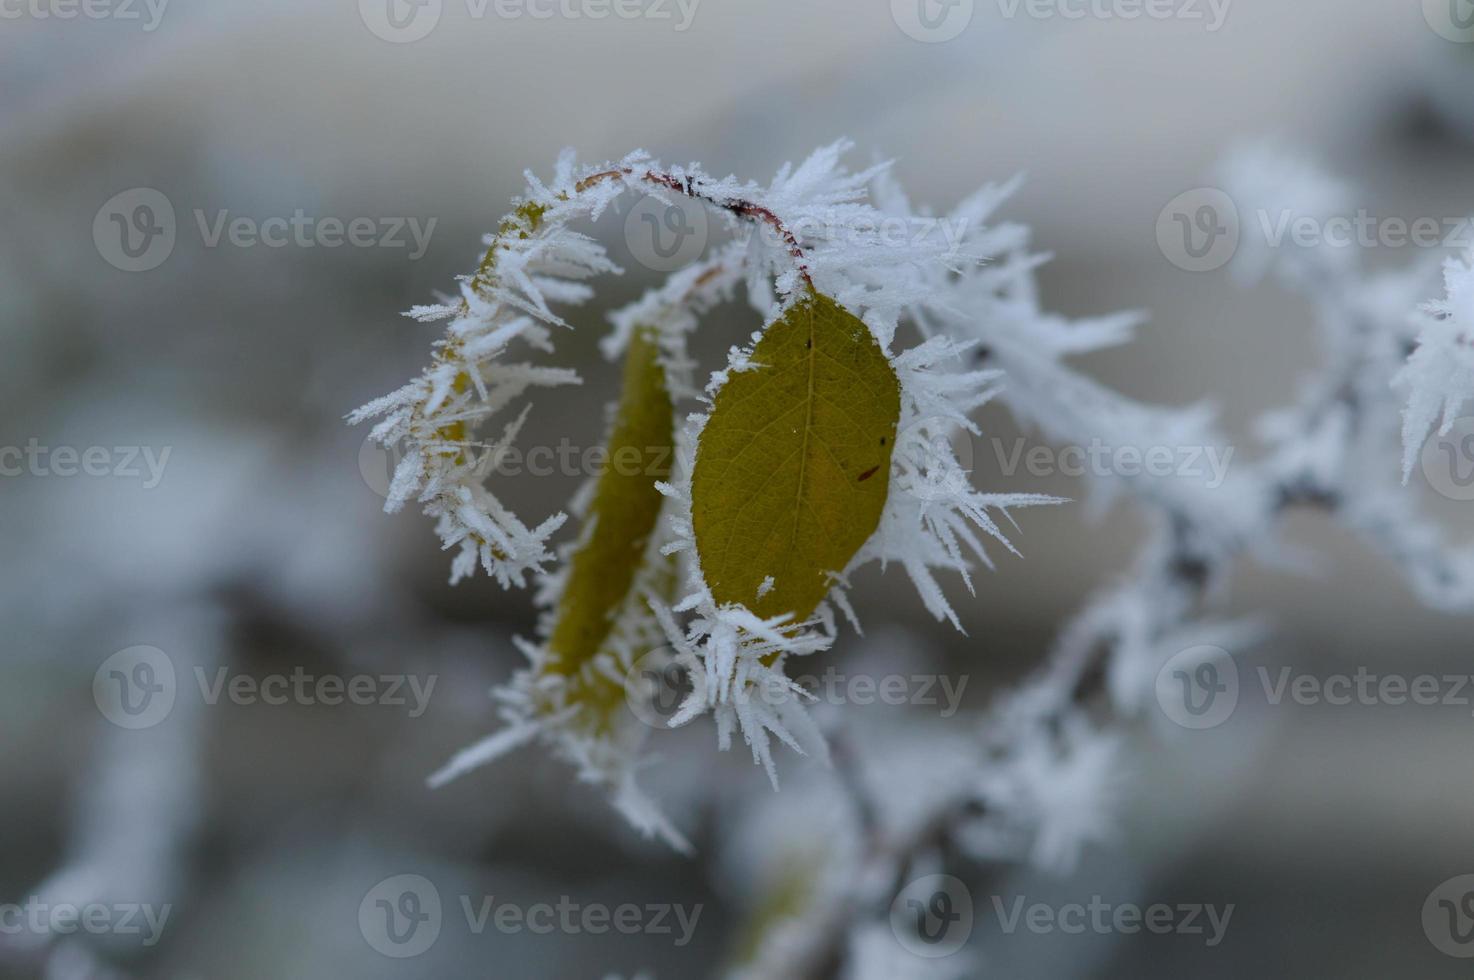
[(742, 208)]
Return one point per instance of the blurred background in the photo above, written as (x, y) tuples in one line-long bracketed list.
[(231, 520)]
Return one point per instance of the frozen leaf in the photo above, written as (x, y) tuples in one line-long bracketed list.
[(621, 517), (793, 466)]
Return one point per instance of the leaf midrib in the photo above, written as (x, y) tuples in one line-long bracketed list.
[(803, 453)]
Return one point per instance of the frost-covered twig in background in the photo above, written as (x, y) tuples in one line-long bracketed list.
[(1040, 782), (133, 824), (1037, 785)]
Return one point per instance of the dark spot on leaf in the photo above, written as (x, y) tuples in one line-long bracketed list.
[(870, 472)]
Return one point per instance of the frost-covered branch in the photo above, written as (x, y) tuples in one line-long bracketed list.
[(825, 248), (1037, 783)]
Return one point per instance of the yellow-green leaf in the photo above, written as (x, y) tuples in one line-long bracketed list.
[(793, 466), (624, 510)]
